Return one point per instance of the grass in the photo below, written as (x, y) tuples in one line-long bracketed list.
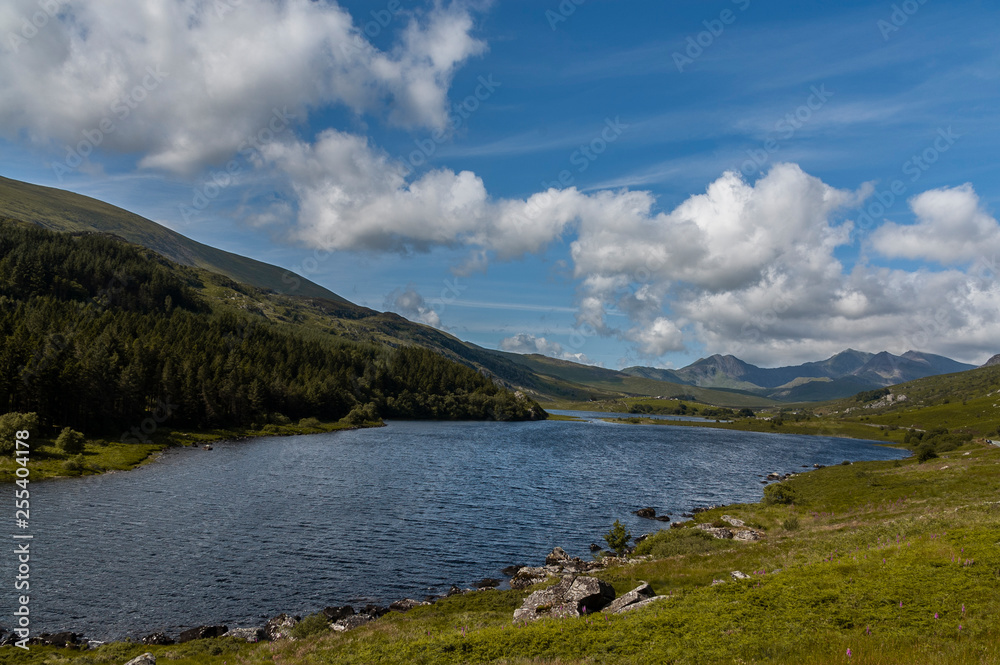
[(829, 576), (103, 456)]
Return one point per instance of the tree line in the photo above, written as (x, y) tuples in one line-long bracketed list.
[(95, 334)]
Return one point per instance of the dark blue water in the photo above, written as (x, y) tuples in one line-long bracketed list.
[(293, 524)]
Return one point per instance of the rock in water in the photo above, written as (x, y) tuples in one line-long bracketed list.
[(252, 635), (202, 633), (557, 557), (338, 613), (571, 597), (648, 513), (641, 592), (144, 659), (157, 638)]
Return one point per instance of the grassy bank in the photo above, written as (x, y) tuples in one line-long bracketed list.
[(103, 456), (896, 561)]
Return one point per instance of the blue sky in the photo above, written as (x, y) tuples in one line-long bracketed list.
[(614, 182)]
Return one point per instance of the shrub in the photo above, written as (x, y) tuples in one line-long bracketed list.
[(360, 415), (617, 539), (11, 423), (790, 524), (311, 423), (311, 625), (926, 452), (675, 542), (780, 493), (70, 441)]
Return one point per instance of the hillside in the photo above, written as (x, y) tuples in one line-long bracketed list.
[(67, 212)]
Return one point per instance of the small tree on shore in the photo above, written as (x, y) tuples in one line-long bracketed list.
[(70, 441), (618, 538)]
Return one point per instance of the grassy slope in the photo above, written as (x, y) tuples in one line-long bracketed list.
[(60, 210), (868, 537)]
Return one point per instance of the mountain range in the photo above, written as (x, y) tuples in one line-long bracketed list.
[(842, 375), (283, 298)]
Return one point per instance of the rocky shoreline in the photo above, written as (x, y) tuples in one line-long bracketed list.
[(575, 593)]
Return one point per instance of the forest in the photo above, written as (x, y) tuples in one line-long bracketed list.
[(96, 334)]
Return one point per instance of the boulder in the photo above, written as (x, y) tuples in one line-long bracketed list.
[(487, 583), (648, 513), (157, 638), (405, 605), (352, 622), (774, 475), (454, 591), (717, 532), (737, 575), (65, 639), (747, 535), (280, 627), (144, 659), (202, 633), (572, 596), (641, 604), (527, 576), (338, 613), (557, 557), (511, 571), (733, 521), (641, 592), (374, 611), (252, 635), (594, 547)]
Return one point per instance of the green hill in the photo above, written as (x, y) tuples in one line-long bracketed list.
[(59, 210)]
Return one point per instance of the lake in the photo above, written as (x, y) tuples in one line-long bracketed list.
[(293, 524)]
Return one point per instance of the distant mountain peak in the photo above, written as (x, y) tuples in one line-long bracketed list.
[(992, 362)]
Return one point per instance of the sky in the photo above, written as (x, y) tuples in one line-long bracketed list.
[(615, 182)]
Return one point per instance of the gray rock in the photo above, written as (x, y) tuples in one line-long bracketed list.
[(527, 576), (641, 592), (202, 633), (557, 557), (488, 583), (280, 627), (144, 659), (715, 582), (352, 622), (733, 521), (648, 513), (737, 575), (157, 638), (642, 603), (338, 613), (747, 535), (717, 532), (572, 596), (252, 635), (405, 605)]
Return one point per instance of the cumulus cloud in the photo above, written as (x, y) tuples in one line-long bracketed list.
[(952, 228), (409, 303), (186, 82), (526, 343), (742, 268)]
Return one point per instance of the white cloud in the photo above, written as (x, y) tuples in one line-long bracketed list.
[(952, 228), (658, 338), (409, 303), (526, 343), (222, 69)]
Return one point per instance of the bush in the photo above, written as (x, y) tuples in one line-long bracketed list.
[(310, 423), (617, 539), (675, 542), (11, 423), (926, 452), (780, 493), (360, 415), (790, 524), (70, 441), (311, 625)]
